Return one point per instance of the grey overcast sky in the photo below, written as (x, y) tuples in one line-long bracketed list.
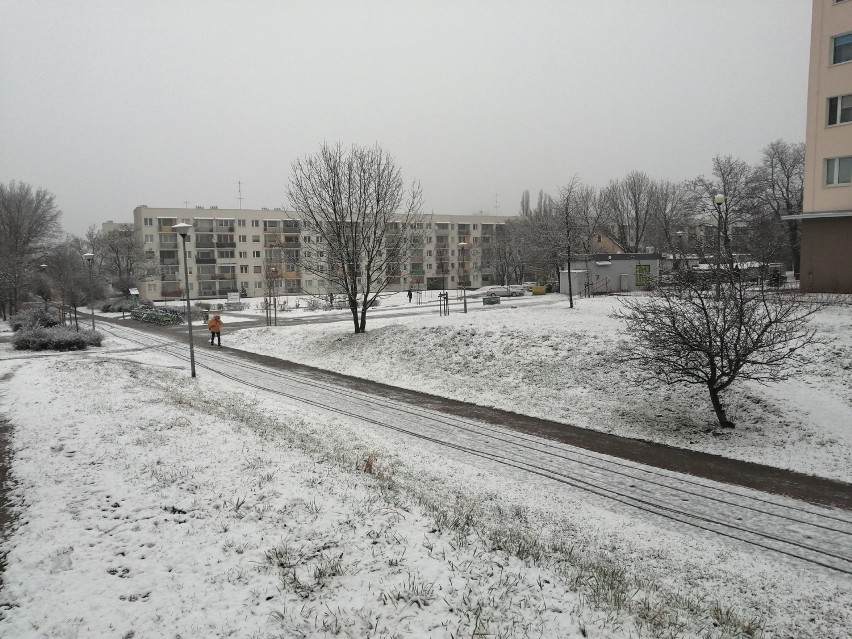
[(124, 102)]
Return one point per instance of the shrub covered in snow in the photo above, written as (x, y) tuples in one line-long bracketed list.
[(33, 318), (55, 338), (118, 305)]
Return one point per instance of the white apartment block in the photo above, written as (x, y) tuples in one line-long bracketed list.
[(229, 250)]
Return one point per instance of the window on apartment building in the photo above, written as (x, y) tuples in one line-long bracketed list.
[(189, 255), (241, 222), (152, 288), (838, 171), (255, 238), (226, 254), (243, 255), (255, 223), (841, 48), (243, 268), (242, 238), (149, 239), (148, 221), (255, 253), (258, 284), (840, 109), (428, 267), (185, 221), (258, 269)]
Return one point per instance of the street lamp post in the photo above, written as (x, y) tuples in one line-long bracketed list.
[(681, 257), (43, 268), (718, 201), (90, 257), (462, 246), (182, 229), (271, 300)]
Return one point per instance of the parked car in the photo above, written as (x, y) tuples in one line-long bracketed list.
[(528, 285), (513, 290)]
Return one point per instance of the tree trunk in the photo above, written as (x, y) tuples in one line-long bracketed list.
[(724, 422), (354, 310)]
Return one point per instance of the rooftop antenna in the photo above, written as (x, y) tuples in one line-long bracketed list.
[(186, 204), (497, 204), (240, 192)]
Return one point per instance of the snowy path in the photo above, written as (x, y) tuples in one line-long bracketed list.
[(751, 520)]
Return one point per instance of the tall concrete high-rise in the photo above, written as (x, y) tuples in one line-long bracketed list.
[(826, 257)]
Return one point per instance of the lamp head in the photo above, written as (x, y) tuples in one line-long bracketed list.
[(182, 229), (719, 199), (88, 257)]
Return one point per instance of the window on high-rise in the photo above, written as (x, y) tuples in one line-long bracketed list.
[(838, 171), (840, 109), (841, 48)]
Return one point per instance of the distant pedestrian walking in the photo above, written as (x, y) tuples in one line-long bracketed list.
[(215, 326), (409, 295)]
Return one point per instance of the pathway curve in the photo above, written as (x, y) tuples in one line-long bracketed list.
[(626, 475)]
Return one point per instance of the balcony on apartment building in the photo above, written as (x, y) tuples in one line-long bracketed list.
[(169, 277), (272, 239), (205, 240), (165, 224)]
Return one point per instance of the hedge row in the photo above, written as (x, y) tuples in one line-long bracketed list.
[(56, 338)]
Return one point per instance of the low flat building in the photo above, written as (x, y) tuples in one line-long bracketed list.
[(603, 273)]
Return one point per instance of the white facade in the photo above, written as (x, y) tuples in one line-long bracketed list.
[(611, 273), (228, 251)]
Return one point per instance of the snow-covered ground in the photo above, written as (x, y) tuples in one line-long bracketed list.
[(215, 512), (551, 361)]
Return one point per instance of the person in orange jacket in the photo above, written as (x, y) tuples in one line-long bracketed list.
[(215, 326)]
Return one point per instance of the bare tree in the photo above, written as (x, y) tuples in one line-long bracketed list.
[(507, 254), (589, 218), (29, 221), (683, 334), (525, 203), (355, 204), (736, 181), (672, 213), (541, 235), (121, 258), (629, 203), (780, 188)]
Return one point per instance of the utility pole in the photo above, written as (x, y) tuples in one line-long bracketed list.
[(240, 192)]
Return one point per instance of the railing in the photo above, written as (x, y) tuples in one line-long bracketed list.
[(167, 277), (168, 261), (168, 245), (205, 244), (601, 287), (205, 260), (226, 245)]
